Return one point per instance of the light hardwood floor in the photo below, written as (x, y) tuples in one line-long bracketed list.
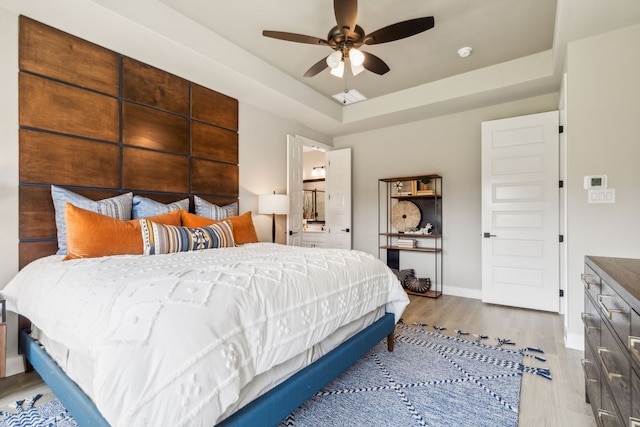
[(544, 403)]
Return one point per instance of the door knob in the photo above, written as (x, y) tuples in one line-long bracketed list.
[(487, 235), (346, 230)]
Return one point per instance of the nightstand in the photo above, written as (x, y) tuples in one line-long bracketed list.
[(3, 338)]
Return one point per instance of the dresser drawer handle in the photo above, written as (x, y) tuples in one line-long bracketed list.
[(587, 285), (584, 368), (610, 375), (602, 412), (633, 341), (609, 311), (589, 327), (634, 422)]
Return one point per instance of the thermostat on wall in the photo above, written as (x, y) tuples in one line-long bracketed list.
[(595, 182)]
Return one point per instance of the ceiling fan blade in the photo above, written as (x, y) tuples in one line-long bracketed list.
[(400, 30), (316, 68), (346, 12), (374, 64), (292, 37)]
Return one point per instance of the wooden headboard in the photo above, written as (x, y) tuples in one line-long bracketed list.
[(103, 124)]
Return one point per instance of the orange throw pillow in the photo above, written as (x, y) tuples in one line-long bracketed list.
[(92, 235), (243, 229)]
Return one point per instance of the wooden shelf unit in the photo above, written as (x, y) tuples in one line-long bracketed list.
[(429, 202)]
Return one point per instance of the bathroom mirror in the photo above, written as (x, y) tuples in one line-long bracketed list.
[(313, 200)]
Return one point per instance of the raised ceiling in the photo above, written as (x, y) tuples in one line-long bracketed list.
[(497, 30)]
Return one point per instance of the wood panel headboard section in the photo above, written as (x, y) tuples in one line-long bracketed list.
[(103, 124)]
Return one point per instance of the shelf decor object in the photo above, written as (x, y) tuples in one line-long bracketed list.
[(411, 221), (405, 215), (274, 204)]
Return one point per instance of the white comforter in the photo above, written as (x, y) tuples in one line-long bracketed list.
[(174, 338)]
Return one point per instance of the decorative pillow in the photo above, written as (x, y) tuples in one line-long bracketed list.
[(209, 210), (117, 207), (243, 229), (165, 239), (92, 235), (144, 207)]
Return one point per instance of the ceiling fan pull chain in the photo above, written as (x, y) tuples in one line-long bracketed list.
[(346, 88)]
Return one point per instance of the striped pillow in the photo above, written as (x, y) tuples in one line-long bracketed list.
[(144, 207), (209, 210), (165, 239)]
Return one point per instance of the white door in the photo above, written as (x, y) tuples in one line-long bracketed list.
[(520, 212), (294, 190), (338, 207)]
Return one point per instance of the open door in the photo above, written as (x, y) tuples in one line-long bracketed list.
[(520, 211), (338, 187), (294, 190)]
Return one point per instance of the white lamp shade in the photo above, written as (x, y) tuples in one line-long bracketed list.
[(334, 59), (356, 57), (339, 70), (273, 204), (356, 69)]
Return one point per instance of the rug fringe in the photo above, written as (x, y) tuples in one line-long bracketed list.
[(543, 372)]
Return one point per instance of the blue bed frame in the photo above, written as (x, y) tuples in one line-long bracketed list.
[(268, 409)]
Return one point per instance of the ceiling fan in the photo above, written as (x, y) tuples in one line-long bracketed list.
[(347, 37)]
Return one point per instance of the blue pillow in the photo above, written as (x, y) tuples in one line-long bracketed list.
[(117, 207), (144, 207), (209, 210)]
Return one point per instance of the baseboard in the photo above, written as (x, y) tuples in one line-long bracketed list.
[(15, 364), (575, 341), (462, 292)]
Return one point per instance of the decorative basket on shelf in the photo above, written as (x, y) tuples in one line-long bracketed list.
[(405, 215)]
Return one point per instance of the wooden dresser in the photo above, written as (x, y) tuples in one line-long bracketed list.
[(612, 339)]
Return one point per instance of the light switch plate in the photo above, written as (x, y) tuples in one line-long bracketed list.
[(602, 196)]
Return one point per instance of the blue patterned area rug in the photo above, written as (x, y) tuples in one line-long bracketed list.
[(430, 379), (50, 414)]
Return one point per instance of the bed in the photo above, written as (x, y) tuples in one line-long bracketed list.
[(189, 338)]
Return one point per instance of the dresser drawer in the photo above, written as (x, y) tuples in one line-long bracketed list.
[(592, 322), (615, 369), (633, 342), (592, 378), (635, 398), (592, 282), (615, 310), (607, 415)]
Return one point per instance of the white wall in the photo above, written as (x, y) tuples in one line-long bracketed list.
[(603, 123), (449, 146), (262, 135)]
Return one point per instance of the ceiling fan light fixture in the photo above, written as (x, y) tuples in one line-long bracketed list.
[(338, 71), (334, 59), (356, 57), (356, 69)]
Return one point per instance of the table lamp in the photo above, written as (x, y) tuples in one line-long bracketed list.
[(274, 204)]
